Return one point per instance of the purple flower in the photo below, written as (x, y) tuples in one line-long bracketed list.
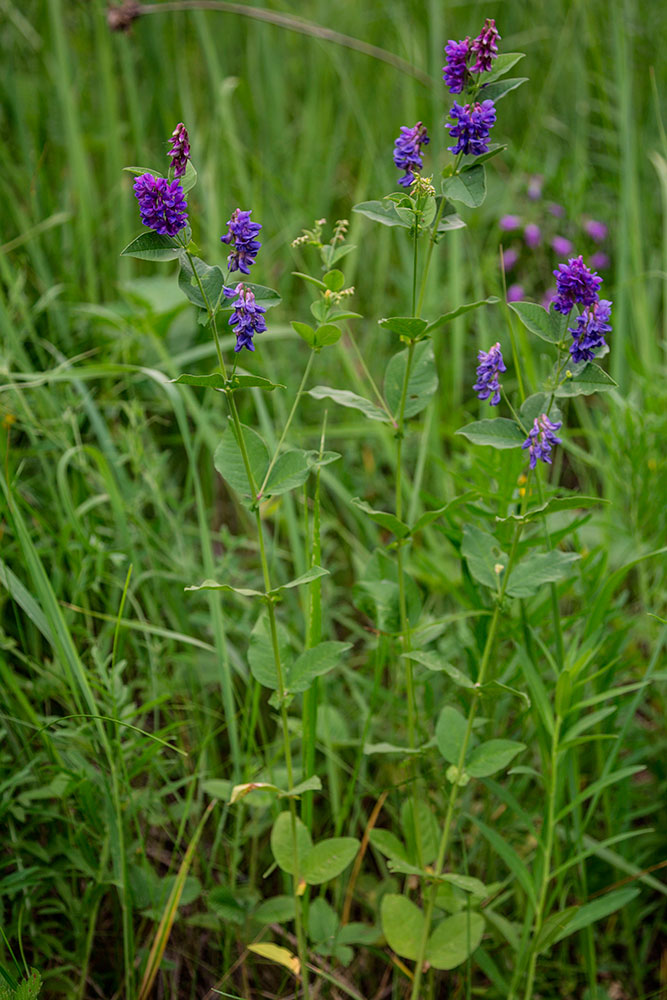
[(557, 210), (561, 246), (455, 73), (485, 46), (407, 151), (541, 439), (596, 230), (600, 259), (247, 318), (473, 123), (532, 235), (509, 222), (575, 283), (515, 293), (510, 257), (241, 235), (490, 363), (180, 149), (535, 185), (161, 204), (590, 330)]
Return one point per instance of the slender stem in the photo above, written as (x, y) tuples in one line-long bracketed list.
[(453, 794), (414, 267), (211, 313), (378, 395), (276, 453), (555, 609)]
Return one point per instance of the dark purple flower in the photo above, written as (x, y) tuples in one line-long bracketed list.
[(161, 204), (590, 330), (241, 237), (407, 151), (247, 318), (535, 185), (510, 257), (490, 363), (596, 230), (473, 123), (515, 293), (455, 73), (485, 46), (532, 235), (561, 246), (541, 439), (509, 222), (575, 283), (180, 149), (600, 259)]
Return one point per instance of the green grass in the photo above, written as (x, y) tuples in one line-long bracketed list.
[(127, 702)]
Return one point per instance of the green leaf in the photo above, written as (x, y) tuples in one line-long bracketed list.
[(328, 859), (454, 940), (467, 884), (384, 747), (538, 568), (422, 382), (292, 468), (450, 222), (468, 187), (590, 379), (327, 334), (214, 585), (549, 326), (267, 297), (460, 311), (496, 91), (435, 662), (402, 925), (384, 212), (424, 825), (314, 573), (404, 326), (211, 278), (450, 733), (237, 381), (503, 63), (493, 150), (312, 784), (305, 331), (282, 842), (492, 756), (486, 560), (388, 844), (189, 178), (499, 432), (212, 381), (429, 516), (260, 653), (313, 281), (554, 506), (322, 921), (228, 459), (383, 518), (535, 406), (153, 246), (334, 280), (509, 856), (143, 170), (346, 398), (314, 663), (277, 910), (590, 913)]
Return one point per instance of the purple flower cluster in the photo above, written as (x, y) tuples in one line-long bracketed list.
[(490, 363), (161, 204), (473, 124), (575, 283), (180, 149), (241, 236), (407, 151), (485, 46), (590, 330), (247, 318), (456, 73), (541, 439)]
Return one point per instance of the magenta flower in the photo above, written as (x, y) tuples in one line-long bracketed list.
[(596, 230), (509, 222), (180, 149), (532, 235), (541, 439), (490, 363), (515, 293), (485, 47), (455, 72)]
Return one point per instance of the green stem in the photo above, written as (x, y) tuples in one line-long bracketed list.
[(453, 794), (276, 453), (211, 313), (378, 395)]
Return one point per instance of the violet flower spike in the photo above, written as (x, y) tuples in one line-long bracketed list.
[(247, 318), (241, 237), (473, 124), (485, 47), (575, 283), (490, 364), (180, 149), (161, 204), (590, 330), (541, 439), (455, 73), (407, 151)]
